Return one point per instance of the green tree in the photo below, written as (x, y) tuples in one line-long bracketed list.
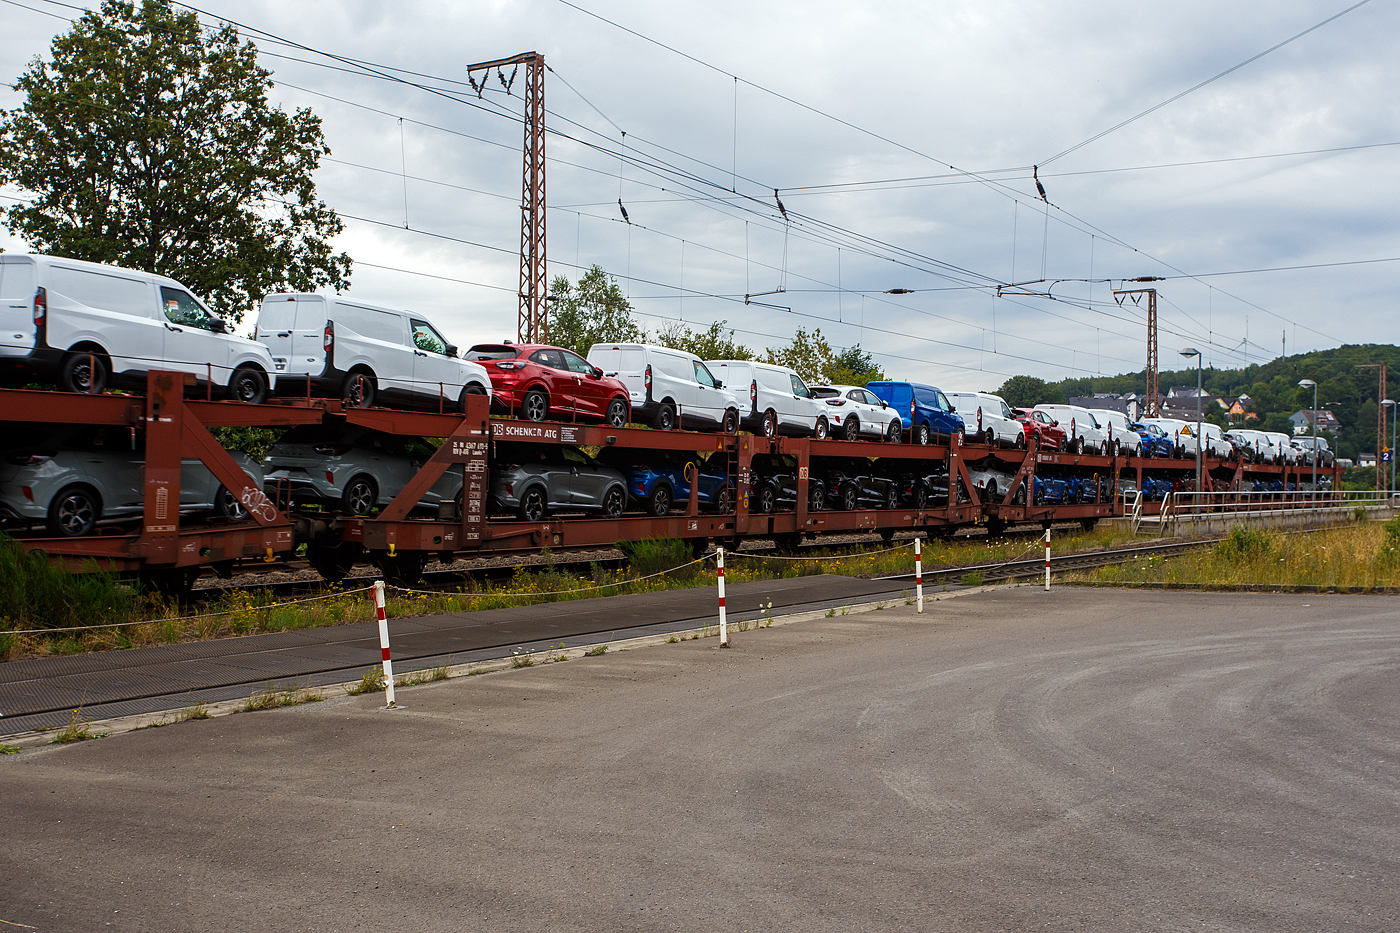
[(809, 354), (594, 311), (1028, 391), (147, 143), (854, 367), (713, 343)]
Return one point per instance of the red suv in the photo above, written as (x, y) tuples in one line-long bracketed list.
[(539, 383), (1041, 430)]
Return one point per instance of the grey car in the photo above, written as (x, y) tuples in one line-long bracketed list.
[(534, 480), (350, 469), (72, 477)]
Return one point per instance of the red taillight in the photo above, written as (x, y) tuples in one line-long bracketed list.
[(330, 477), (28, 493), (646, 378), (753, 392), (510, 365), (41, 306), (328, 335), (979, 416)]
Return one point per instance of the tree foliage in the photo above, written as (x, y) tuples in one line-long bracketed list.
[(809, 354), (594, 311), (714, 343), (854, 367), (148, 144), (1028, 391)]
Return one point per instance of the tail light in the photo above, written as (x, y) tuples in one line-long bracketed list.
[(836, 402), (753, 393), (28, 459), (41, 306), (28, 493), (979, 416), (328, 336), (646, 379), (337, 450), (330, 477), (510, 365)]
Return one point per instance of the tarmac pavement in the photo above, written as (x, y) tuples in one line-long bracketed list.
[(1012, 759)]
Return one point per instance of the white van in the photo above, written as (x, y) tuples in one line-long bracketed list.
[(669, 388), (86, 326), (1183, 435), (1082, 431), (365, 354), (988, 418), (779, 401), (1121, 438)]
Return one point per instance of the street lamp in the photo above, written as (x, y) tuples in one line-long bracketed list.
[(1392, 442), (1308, 383), (1200, 453)]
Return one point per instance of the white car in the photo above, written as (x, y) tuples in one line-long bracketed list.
[(1081, 428), (670, 388), (989, 418), (1216, 444), (855, 413), (1183, 435), (366, 354), (1264, 447), (1122, 439), (86, 325), (779, 401), (1283, 443)]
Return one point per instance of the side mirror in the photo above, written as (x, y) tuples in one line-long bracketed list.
[(451, 350), (884, 404), (218, 325), (719, 384), (597, 373)]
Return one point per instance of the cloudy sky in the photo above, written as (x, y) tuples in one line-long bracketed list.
[(900, 137)]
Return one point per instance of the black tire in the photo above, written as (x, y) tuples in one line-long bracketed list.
[(665, 419), (852, 428), (921, 496), (850, 497), (470, 388), (823, 428), (616, 415), (895, 433), (659, 500), (74, 512), (247, 385), (991, 492), (1079, 445), (358, 390), (360, 496), (83, 372), (1064, 445), (766, 499), (731, 422), (533, 504), (1021, 441), (723, 501), (770, 423), (535, 405), (229, 507), (816, 496), (891, 496), (614, 502), (962, 436), (1020, 497), (921, 435)]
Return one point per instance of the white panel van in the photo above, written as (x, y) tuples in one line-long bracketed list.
[(989, 418), (779, 401), (365, 354), (669, 388), (86, 325)]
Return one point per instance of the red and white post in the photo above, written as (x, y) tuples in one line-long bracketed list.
[(723, 623), (1047, 560), (919, 571), (384, 645)]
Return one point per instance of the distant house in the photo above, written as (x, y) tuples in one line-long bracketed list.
[(1238, 408), (1326, 421), (1108, 402), (1366, 460)]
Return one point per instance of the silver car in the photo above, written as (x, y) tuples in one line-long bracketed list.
[(533, 480), (72, 477), (351, 469), (854, 412)]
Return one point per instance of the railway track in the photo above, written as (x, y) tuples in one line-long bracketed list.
[(1035, 567)]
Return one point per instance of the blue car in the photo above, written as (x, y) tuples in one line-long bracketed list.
[(924, 411), (1155, 442), (664, 479)]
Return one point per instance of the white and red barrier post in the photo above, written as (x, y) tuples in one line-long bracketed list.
[(919, 571), (723, 623), (384, 645), (1047, 560)]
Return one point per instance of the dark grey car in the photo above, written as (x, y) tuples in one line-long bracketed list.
[(533, 480)]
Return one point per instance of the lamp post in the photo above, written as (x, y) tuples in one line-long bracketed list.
[(1392, 442), (1308, 383), (1200, 453)]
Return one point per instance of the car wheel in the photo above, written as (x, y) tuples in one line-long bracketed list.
[(226, 505), (616, 416), (921, 435), (358, 391), (891, 496), (1021, 441), (962, 436), (1079, 445), (852, 428), (1063, 445), (770, 423), (1020, 497), (816, 496), (723, 500), (533, 504), (535, 405), (83, 372), (665, 419), (822, 428), (360, 497), (470, 388), (921, 496), (991, 491), (731, 421), (659, 502), (850, 497), (247, 385), (1039, 494), (614, 501), (767, 499), (74, 512)]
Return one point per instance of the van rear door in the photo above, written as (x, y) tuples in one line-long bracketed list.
[(276, 318), (16, 305)]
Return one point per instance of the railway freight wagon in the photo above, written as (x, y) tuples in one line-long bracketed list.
[(443, 485)]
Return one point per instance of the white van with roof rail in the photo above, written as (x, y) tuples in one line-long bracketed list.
[(988, 418), (365, 354), (87, 325), (779, 401), (669, 388)]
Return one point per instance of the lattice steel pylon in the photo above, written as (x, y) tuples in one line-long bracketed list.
[(1151, 293), (534, 284)]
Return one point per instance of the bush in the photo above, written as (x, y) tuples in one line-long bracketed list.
[(653, 555), (1390, 548), (36, 594), (1243, 543)]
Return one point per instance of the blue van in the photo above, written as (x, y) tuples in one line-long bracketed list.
[(925, 411)]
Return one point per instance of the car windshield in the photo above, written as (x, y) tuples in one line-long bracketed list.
[(492, 352), (823, 392)]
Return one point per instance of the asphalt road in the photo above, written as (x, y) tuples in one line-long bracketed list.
[(1085, 759)]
